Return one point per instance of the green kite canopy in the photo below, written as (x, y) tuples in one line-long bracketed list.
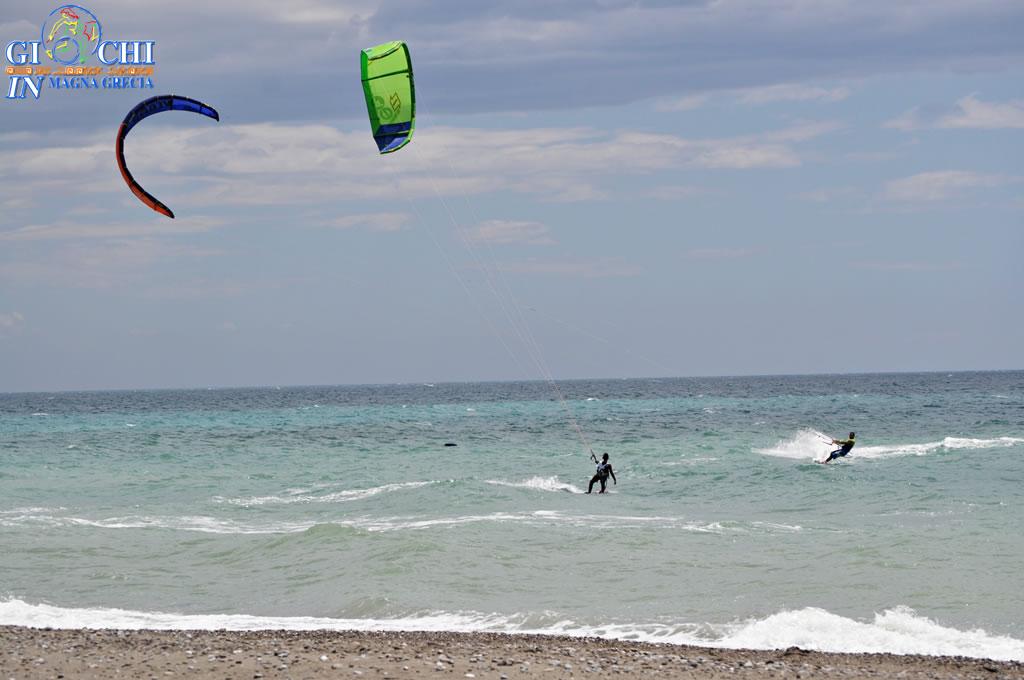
[(390, 95)]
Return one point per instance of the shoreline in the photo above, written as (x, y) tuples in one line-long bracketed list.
[(105, 653)]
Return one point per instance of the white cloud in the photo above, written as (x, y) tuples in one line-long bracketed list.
[(600, 268), (75, 161), (319, 12), (675, 193), (21, 29), (792, 92), (687, 103), (827, 195), (106, 265), (908, 266), (873, 156), (907, 122), (386, 221), (154, 226), (306, 164), (970, 113), (17, 137), (575, 192), (517, 55), (746, 157), (974, 113), (10, 321), (216, 167), (16, 203), (719, 253), (941, 185), (507, 232), (203, 288), (803, 131)]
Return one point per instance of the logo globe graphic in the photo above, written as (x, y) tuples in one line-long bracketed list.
[(70, 34), (384, 112)]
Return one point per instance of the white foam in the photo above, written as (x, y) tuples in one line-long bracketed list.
[(947, 444), (539, 484), (546, 518), (28, 511), (301, 495), (896, 631), (811, 444), (807, 444), (554, 517), (690, 461), (195, 523), (775, 527)]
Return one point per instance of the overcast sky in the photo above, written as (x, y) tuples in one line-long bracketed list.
[(595, 189)]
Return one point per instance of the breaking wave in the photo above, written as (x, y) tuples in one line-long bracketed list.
[(809, 444), (539, 484), (899, 630)]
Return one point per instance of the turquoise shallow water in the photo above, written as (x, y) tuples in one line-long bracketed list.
[(341, 507)]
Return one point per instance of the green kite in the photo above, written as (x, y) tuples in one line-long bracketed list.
[(390, 95)]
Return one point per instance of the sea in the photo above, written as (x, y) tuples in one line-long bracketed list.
[(462, 507)]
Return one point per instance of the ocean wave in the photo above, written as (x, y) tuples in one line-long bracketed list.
[(947, 444), (809, 444), (537, 518), (29, 511), (539, 484), (194, 523), (593, 521), (899, 630), (690, 461), (303, 495)]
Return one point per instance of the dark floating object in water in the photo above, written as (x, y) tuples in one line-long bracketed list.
[(450, 444)]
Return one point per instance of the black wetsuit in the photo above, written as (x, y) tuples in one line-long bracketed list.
[(847, 446), (603, 470)]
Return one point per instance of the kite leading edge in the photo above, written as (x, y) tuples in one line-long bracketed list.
[(143, 110)]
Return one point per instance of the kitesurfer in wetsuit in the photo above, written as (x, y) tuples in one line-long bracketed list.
[(604, 468), (845, 446)]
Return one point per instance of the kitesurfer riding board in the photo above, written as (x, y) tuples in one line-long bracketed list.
[(845, 446)]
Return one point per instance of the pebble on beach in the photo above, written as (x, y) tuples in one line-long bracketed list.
[(28, 653)]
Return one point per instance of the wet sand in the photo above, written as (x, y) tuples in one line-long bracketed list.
[(48, 653)]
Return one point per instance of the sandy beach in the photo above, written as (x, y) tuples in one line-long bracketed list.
[(48, 653)]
